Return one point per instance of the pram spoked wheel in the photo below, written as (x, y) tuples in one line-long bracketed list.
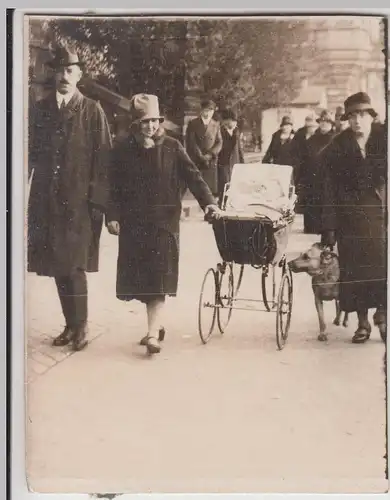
[(225, 295), (207, 310), (283, 309)]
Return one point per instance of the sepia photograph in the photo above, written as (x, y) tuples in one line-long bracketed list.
[(206, 253)]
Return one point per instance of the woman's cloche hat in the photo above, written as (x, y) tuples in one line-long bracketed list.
[(286, 120), (325, 116), (64, 56), (145, 107), (358, 102)]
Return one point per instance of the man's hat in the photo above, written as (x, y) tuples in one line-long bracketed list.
[(208, 104), (64, 57), (310, 118), (286, 120), (145, 107), (358, 102), (325, 116), (228, 114)]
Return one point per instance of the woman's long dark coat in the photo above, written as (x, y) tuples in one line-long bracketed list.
[(147, 186), (231, 153), (68, 160), (310, 183), (279, 152), (355, 206)]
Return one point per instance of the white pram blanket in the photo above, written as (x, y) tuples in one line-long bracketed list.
[(260, 189)]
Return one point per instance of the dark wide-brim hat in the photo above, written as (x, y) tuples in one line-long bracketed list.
[(64, 57), (325, 116), (358, 102), (228, 114), (286, 120)]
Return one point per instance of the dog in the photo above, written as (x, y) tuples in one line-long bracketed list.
[(322, 264)]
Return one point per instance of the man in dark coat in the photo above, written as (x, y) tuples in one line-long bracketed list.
[(204, 143), (69, 144), (299, 155), (354, 211), (340, 124), (309, 179), (279, 150), (231, 152)]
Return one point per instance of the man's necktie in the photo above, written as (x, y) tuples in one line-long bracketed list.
[(62, 106)]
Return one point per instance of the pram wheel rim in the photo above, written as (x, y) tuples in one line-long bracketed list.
[(281, 329), (205, 333)]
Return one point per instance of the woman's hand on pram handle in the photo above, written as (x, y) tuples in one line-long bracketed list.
[(212, 212), (113, 227)]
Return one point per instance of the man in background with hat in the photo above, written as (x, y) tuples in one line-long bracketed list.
[(354, 212), (299, 154), (231, 152), (310, 174), (69, 145), (340, 124), (204, 143)]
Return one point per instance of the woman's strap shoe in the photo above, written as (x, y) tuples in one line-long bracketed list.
[(153, 345), (361, 335), (161, 337)]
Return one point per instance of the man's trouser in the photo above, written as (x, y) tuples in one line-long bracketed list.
[(73, 294)]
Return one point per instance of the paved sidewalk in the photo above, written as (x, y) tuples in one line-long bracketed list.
[(234, 415), (44, 318)]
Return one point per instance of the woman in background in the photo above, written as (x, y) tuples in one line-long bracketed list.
[(280, 148)]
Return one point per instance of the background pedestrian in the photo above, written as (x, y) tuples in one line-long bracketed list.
[(204, 143), (280, 150), (231, 152)]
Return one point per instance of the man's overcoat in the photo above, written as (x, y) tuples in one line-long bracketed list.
[(204, 139), (68, 159)]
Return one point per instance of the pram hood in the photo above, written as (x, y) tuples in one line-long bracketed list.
[(260, 189)]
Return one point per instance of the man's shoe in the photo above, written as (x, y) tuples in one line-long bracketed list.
[(64, 338), (79, 339)]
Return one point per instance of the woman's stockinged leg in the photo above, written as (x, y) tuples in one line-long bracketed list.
[(155, 312)]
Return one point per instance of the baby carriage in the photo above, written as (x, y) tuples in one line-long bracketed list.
[(258, 211)]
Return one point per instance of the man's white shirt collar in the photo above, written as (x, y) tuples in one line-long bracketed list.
[(206, 122), (61, 97)]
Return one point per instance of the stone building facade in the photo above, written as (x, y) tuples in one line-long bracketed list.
[(349, 58)]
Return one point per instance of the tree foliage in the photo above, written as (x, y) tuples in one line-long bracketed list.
[(130, 55), (244, 63)]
